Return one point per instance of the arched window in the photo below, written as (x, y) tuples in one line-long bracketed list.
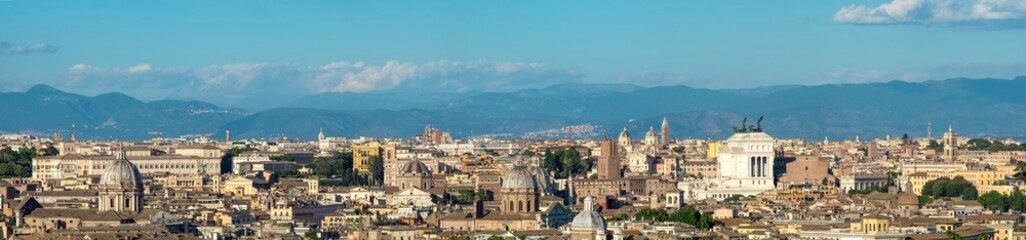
[(520, 206)]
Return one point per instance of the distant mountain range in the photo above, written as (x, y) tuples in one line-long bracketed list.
[(976, 107), (42, 109)]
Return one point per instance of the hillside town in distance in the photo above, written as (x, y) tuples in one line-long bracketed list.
[(433, 186)]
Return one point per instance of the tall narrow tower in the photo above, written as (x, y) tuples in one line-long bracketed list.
[(665, 138), (228, 136), (609, 162), (950, 144)]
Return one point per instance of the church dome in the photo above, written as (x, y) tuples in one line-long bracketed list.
[(625, 134), (519, 178), (589, 218), (121, 174), (650, 137), (415, 167)]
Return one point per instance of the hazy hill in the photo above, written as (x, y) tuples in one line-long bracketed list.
[(982, 107), (976, 107), (43, 109), (305, 123)]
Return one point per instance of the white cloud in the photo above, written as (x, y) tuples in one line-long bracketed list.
[(10, 49), (1007, 13), (227, 83), (140, 68), (359, 77)]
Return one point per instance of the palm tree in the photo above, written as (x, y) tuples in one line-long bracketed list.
[(953, 236)]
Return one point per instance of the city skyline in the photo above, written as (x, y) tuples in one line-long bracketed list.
[(519, 120)]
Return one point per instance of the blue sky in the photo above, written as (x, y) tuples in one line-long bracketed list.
[(232, 51)]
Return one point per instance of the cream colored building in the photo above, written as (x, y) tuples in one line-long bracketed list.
[(242, 186), (205, 151), (59, 167), (744, 167), (983, 180)]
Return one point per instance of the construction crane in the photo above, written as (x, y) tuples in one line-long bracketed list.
[(156, 134)]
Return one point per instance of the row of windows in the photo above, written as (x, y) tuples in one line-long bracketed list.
[(759, 147), (520, 206)]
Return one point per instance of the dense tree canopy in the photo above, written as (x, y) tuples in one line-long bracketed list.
[(687, 215), (334, 170), (982, 144), (377, 170), (996, 201), (468, 197), (1020, 171), (566, 163), (50, 151), (946, 187), (935, 146), (16, 163), (286, 158)]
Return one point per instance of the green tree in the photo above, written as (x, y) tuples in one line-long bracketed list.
[(733, 198), (484, 195), (226, 159), (953, 236), (157, 152), (291, 172), (566, 163), (946, 188), (286, 158), (377, 170), (16, 163), (50, 151), (651, 214), (982, 144), (994, 200), (528, 153), (620, 217), (337, 170), (923, 200), (687, 214), (935, 146)]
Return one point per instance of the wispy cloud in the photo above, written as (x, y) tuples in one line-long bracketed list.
[(994, 70), (987, 13), (657, 79), (7, 48), (243, 81)]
